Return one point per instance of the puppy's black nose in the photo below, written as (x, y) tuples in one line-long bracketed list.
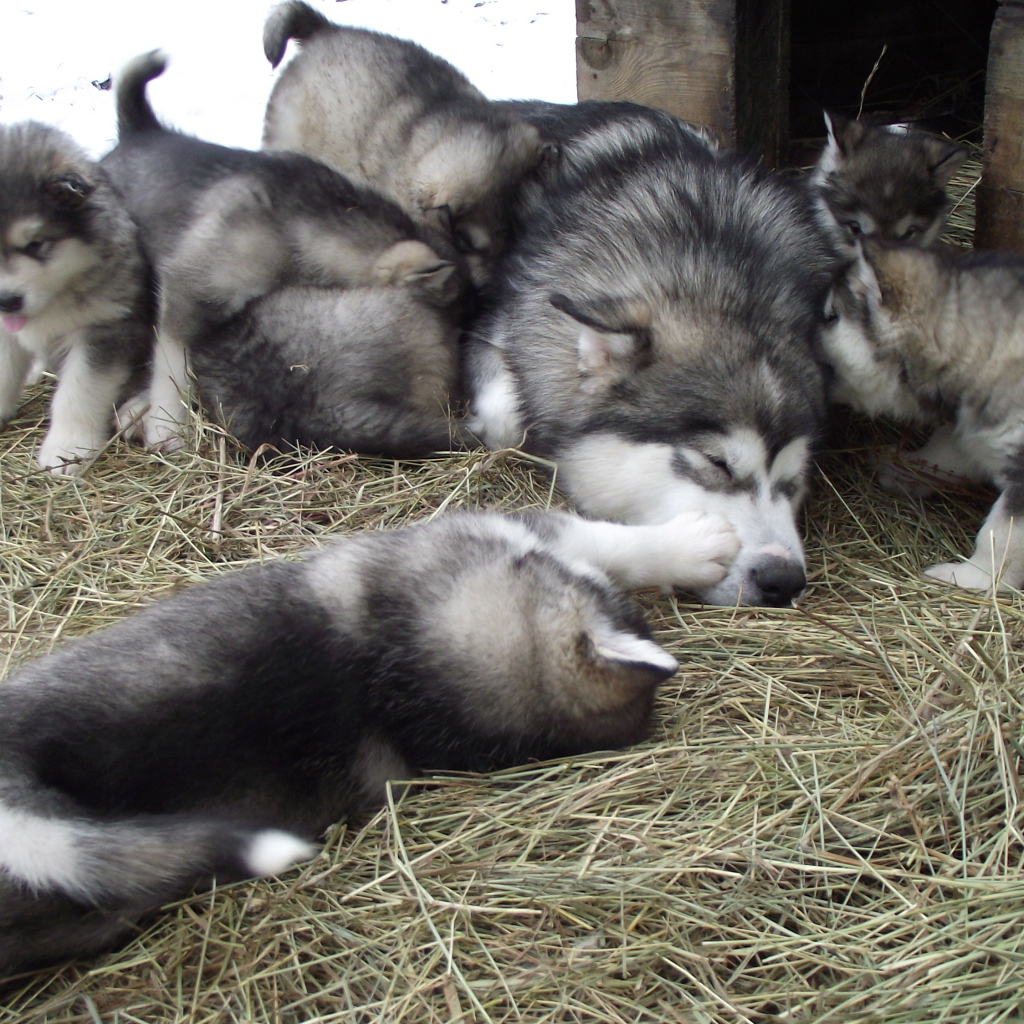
[(11, 302), (778, 580)]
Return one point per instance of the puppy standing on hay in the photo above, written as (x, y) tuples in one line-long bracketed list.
[(74, 291), (219, 730), (393, 116), (225, 226), (653, 336), (934, 339)]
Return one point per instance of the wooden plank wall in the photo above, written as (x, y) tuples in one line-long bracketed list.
[(719, 63), (1000, 199)]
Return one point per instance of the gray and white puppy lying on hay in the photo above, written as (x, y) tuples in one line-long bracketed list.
[(224, 226), (219, 730), (74, 291), (929, 338), (393, 116), (372, 370)]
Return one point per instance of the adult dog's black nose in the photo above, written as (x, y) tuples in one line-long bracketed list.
[(778, 580), (11, 302)]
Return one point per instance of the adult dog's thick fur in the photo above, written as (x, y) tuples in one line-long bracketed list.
[(654, 335), (220, 730), (74, 290), (225, 226), (393, 116)]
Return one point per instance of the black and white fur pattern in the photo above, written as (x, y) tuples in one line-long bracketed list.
[(225, 226), (392, 116), (654, 337), (74, 291), (929, 338), (887, 181), (219, 731), (373, 370)]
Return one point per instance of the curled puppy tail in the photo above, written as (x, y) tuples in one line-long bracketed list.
[(134, 114), (291, 20), (72, 886)]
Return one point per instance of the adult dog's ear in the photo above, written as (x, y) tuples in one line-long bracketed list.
[(614, 339), (70, 189)]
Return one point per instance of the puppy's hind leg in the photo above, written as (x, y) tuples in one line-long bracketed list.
[(692, 551), (232, 255)]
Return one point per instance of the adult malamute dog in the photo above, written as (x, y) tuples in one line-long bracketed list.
[(225, 226), (930, 338), (74, 290), (401, 120), (217, 731), (374, 370), (653, 338), (883, 180)]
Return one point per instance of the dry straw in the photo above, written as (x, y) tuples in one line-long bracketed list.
[(825, 826)]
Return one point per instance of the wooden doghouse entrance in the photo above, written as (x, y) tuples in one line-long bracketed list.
[(759, 73)]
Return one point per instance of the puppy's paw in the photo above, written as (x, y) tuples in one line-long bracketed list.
[(161, 433), (130, 417), (696, 550), (67, 456), (899, 473), (966, 575)]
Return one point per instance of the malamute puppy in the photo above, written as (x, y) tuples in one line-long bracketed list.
[(930, 338), (401, 120), (74, 290), (883, 180), (224, 226), (221, 729), (373, 370), (653, 338)]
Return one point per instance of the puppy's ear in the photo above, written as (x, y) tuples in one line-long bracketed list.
[(438, 284), (945, 158), (844, 135), (70, 189), (630, 658)]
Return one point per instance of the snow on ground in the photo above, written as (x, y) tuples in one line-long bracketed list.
[(53, 51)]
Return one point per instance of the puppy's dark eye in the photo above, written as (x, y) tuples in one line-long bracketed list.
[(907, 235), (38, 249), (853, 226)]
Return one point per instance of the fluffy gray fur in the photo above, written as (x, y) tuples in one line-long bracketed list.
[(220, 730), (883, 180), (374, 370), (225, 226), (930, 338), (393, 116), (74, 291), (653, 335)]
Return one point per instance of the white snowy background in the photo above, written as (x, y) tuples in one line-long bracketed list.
[(52, 51)]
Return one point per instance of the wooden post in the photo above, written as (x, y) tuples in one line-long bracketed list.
[(723, 64), (1000, 201)]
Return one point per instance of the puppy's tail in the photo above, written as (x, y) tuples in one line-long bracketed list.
[(162, 856), (73, 886), (291, 20), (134, 114)]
